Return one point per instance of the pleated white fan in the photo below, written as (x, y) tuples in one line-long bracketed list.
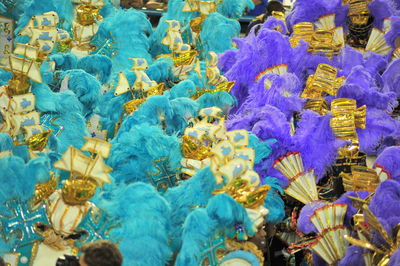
[(377, 43), (329, 216), (331, 245), (396, 53), (327, 22), (302, 185)]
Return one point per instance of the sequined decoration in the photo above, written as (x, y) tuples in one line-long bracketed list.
[(209, 255), (164, 178), (22, 222), (95, 225)]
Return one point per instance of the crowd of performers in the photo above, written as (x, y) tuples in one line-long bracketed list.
[(187, 145)]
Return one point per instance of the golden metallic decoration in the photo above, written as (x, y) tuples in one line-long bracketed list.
[(358, 11), (88, 14), (396, 53), (346, 118), (38, 141), (79, 190), (322, 41), (185, 58), (64, 46), (324, 81), (301, 31), (319, 106), (156, 90), (278, 15), (19, 84), (193, 149), (223, 86), (380, 255), (43, 191), (244, 193), (132, 105), (232, 245), (361, 179), (195, 24)]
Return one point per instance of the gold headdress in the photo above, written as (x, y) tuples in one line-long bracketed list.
[(85, 24), (346, 118), (323, 41), (246, 194), (327, 22), (361, 179), (324, 80), (88, 14), (301, 31), (358, 11)]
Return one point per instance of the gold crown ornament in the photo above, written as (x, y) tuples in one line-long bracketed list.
[(346, 118), (358, 11), (320, 106), (18, 85), (322, 41), (323, 81), (193, 149), (245, 193), (79, 190), (361, 178), (88, 14), (301, 31)]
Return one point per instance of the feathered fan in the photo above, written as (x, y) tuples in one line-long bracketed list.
[(302, 185)]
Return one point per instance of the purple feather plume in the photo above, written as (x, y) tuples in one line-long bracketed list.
[(381, 9), (379, 124), (354, 257), (351, 210), (256, 53), (315, 140), (391, 78)]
